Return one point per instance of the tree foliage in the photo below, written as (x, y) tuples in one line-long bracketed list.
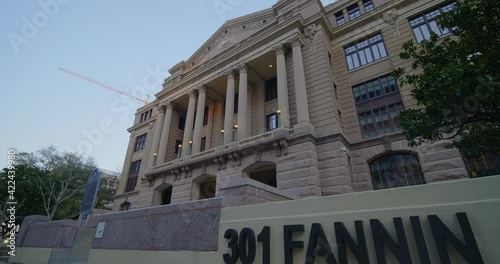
[(65, 179), (456, 81)]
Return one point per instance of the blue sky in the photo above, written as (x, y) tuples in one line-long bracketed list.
[(127, 44)]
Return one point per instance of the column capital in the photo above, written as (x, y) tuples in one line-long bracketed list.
[(161, 108), (280, 49), (192, 93), (230, 74), (201, 88), (297, 41), (169, 105), (243, 68)]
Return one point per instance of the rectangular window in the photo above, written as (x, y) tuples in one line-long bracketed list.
[(353, 11), (381, 120), (272, 121), (140, 141), (205, 116), (365, 52), (374, 88), (236, 104), (271, 89), (368, 5), (203, 143), (182, 123), (133, 175), (177, 143), (340, 18), (146, 115), (426, 23), (486, 165)]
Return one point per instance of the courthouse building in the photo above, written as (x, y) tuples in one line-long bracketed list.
[(297, 100)]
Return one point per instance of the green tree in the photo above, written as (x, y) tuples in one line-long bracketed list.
[(456, 81), (60, 189)]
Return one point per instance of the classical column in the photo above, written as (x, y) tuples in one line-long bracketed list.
[(282, 86), (188, 128), (156, 138), (228, 119), (165, 133), (200, 109), (243, 104), (300, 83)]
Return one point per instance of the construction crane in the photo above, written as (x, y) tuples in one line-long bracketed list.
[(105, 86)]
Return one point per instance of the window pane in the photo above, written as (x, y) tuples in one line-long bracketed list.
[(381, 48), (350, 64), (368, 55), (394, 111), (376, 53), (418, 35), (362, 58), (434, 27), (396, 170)]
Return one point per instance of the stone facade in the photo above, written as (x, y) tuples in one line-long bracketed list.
[(269, 97)]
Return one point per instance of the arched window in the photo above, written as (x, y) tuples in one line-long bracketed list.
[(206, 188), (396, 170), (125, 206), (163, 195)]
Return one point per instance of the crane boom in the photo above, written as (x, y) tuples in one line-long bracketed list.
[(105, 85)]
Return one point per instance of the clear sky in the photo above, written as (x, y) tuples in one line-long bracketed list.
[(122, 43)]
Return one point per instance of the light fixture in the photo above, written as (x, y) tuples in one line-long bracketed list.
[(235, 126), (180, 146), (270, 65), (278, 112), (222, 130), (155, 154), (190, 142)]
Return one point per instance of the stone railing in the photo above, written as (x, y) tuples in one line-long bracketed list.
[(203, 154), (255, 139)]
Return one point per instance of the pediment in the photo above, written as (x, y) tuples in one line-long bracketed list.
[(229, 34)]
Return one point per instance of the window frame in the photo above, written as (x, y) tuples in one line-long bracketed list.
[(403, 155), (205, 116), (426, 19), (140, 142), (340, 18), (355, 52), (369, 4), (353, 11), (271, 89), (133, 175), (182, 123), (268, 127)]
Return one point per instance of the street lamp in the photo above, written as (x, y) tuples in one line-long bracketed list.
[(190, 147), (222, 137), (155, 156), (179, 150), (235, 133)]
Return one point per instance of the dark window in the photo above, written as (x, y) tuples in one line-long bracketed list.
[(177, 143), (205, 116), (133, 175), (424, 24), (378, 104), (374, 88), (125, 206), (396, 170), (271, 89), (182, 123), (365, 52), (235, 104), (146, 115), (368, 5), (207, 188), (380, 121), (272, 121), (353, 11), (486, 165), (203, 143), (166, 196), (266, 175), (140, 141), (340, 18)]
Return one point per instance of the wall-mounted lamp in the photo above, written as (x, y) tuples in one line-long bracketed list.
[(179, 150)]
